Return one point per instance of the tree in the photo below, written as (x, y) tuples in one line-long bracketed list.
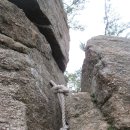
[(72, 8), (74, 80), (112, 20)]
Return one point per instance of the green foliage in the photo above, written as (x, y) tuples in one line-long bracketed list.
[(74, 5), (74, 80), (72, 8), (82, 46)]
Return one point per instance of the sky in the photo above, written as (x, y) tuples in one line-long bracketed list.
[(92, 18)]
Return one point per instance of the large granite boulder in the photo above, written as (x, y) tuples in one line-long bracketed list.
[(27, 63), (82, 113), (106, 76), (51, 21)]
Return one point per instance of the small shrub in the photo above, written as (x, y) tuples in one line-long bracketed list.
[(111, 128)]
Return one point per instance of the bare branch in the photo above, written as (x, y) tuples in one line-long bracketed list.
[(113, 25)]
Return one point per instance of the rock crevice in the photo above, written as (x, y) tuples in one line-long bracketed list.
[(55, 31)]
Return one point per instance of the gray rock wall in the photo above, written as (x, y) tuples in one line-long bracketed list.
[(82, 113), (51, 21), (106, 76), (29, 59)]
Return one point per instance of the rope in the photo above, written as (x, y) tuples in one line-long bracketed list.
[(61, 92)]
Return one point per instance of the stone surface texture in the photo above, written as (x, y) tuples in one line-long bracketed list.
[(28, 61), (51, 21), (106, 77), (82, 113)]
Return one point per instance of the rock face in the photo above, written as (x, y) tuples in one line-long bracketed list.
[(106, 76), (33, 51), (82, 114), (50, 19)]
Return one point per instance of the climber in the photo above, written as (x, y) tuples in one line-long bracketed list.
[(61, 91)]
